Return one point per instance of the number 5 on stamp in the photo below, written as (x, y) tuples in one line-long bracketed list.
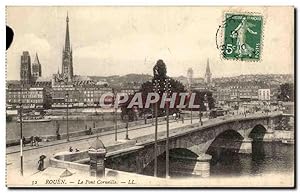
[(242, 37)]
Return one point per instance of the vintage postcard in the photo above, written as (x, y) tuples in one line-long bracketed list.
[(150, 97)]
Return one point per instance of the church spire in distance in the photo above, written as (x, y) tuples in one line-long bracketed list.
[(67, 41), (207, 67), (208, 74), (67, 60)]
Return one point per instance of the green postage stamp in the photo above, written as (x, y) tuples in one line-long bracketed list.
[(242, 36)]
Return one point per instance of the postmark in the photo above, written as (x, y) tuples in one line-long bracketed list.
[(242, 36)]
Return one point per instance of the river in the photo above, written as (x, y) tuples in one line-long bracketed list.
[(49, 128), (267, 158)]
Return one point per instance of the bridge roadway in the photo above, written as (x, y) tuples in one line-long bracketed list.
[(142, 134)]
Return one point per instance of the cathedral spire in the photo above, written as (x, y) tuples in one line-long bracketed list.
[(207, 67), (36, 60), (208, 74), (67, 42)]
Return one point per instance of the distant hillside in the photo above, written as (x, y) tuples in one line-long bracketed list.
[(129, 80)]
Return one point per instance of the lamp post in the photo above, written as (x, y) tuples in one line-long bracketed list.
[(21, 138), (126, 137), (67, 101), (115, 115), (191, 108), (156, 86), (152, 113), (168, 91), (200, 114)]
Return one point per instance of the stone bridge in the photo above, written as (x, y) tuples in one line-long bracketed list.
[(192, 146)]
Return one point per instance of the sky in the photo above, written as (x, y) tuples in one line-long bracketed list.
[(122, 40)]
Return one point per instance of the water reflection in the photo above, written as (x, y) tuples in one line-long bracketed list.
[(266, 157)]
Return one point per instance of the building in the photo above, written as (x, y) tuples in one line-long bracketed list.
[(25, 70), (36, 68), (129, 90), (79, 94), (190, 74), (63, 95), (91, 94), (30, 97), (66, 74), (208, 74), (67, 57), (264, 94)]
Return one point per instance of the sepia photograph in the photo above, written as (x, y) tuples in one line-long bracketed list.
[(150, 97)]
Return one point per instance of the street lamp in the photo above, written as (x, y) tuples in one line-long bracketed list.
[(21, 137), (238, 100), (155, 89), (168, 91), (115, 115), (127, 118), (190, 93), (200, 114), (67, 101)]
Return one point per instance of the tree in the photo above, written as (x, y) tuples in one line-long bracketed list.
[(204, 96), (127, 113), (160, 75), (160, 70), (286, 92)]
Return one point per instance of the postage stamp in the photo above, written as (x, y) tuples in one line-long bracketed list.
[(242, 37)]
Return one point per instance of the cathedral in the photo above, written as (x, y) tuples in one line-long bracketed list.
[(208, 74), (66, 75), (36, 68)]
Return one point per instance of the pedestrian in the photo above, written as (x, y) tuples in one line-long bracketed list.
[(174, 116), (23, 141), (90, 131), (70, 149), (41, 163), (76, 150), (57, 134), (37, 140), (182, 119), (32, 141)]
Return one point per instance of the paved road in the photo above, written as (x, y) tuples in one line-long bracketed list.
[(31, 155)]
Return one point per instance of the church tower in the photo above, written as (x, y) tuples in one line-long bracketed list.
[(25, 69), (36, 68), (207, 78), (190, 76), (67, 58)]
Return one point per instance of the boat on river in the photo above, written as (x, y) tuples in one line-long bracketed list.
[(31, 119), (288, 141)]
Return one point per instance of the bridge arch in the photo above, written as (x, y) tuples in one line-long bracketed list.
[(175, 160), (229, 141), (258, 132), (228, 138)]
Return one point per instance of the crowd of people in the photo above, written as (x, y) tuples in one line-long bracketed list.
[(33, 141)]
